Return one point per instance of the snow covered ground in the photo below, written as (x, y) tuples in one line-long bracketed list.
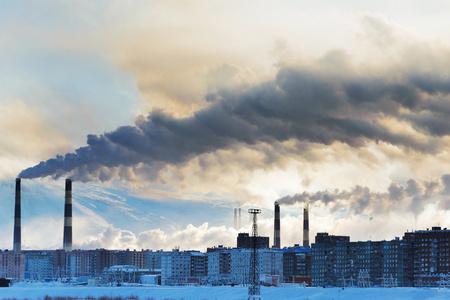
[(225, 293)]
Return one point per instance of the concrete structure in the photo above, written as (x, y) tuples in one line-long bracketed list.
[(421, 258), (59, 263), (329, 259), (297, 262), (364, 258), (393, 264), (219, 265), (276, 227), (244, 240), (103, 259), (39, 265), (183, 267), (306, 225), (80, 263), (152, 260), (131, 257), (17, 244), (270, 263), (119, 274), (67, 237), (431, 255), (12, 265)]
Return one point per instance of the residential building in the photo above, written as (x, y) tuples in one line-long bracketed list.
[(12, 265)]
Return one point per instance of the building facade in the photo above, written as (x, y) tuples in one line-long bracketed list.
[(12, 265), (297, 263), (39, 265)]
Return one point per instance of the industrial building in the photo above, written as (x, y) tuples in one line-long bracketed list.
[(244, 240), (419, 258)]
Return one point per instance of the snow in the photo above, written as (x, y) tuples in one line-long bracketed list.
[(29, 291)]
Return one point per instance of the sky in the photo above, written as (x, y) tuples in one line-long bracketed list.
[(169, 114)]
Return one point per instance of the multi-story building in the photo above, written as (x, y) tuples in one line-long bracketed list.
[(199, 265), (128, 257), (240, 265), (59, 264), (393, 264), (80, 263), (219, 265), (183, 267), (431, 255), (297, 263), (152, 260), (244, 240), (39, 265), (12, 265), (421, 258), (330, 263), (102, 260), (365, 260), (270, 263)]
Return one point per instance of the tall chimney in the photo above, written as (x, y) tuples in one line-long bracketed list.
[(276, 227), (306, 225), (235, 219), (17, 245), (67, 239), (239, 218)]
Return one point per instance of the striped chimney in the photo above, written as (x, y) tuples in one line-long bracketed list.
[(67, 238), (276, 227), (306, 225), (17, 245)]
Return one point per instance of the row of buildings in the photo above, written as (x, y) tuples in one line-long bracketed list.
[(420, 258)]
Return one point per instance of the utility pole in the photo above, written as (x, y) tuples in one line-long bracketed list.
[(254, 290)]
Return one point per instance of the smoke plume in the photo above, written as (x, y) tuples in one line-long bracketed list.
[(304, 105), (411, 196)]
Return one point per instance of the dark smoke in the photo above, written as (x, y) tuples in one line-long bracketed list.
[(303, 105), (412, 196)]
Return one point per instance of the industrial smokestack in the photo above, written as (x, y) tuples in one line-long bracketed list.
[(17, 245), (276, 227), (239, 218), (67, 239), (306, 225), (235, 219)]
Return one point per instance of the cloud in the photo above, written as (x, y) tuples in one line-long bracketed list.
[(25, 135), (190, 237), (299, 104), (412, 197)]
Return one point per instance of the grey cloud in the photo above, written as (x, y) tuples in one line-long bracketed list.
[(411, 196), (304, 105)]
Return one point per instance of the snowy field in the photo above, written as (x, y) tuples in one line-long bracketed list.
[(223, 293)]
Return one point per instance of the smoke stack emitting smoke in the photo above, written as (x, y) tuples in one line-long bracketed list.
[(410, 196), (17, 244), (302, 105), (306, 225), (276, 227), (67, 237)]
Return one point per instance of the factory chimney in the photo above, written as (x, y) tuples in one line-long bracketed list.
[(276, 227), (67, 238), (239, 218), (17, 245), (306, 225)]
